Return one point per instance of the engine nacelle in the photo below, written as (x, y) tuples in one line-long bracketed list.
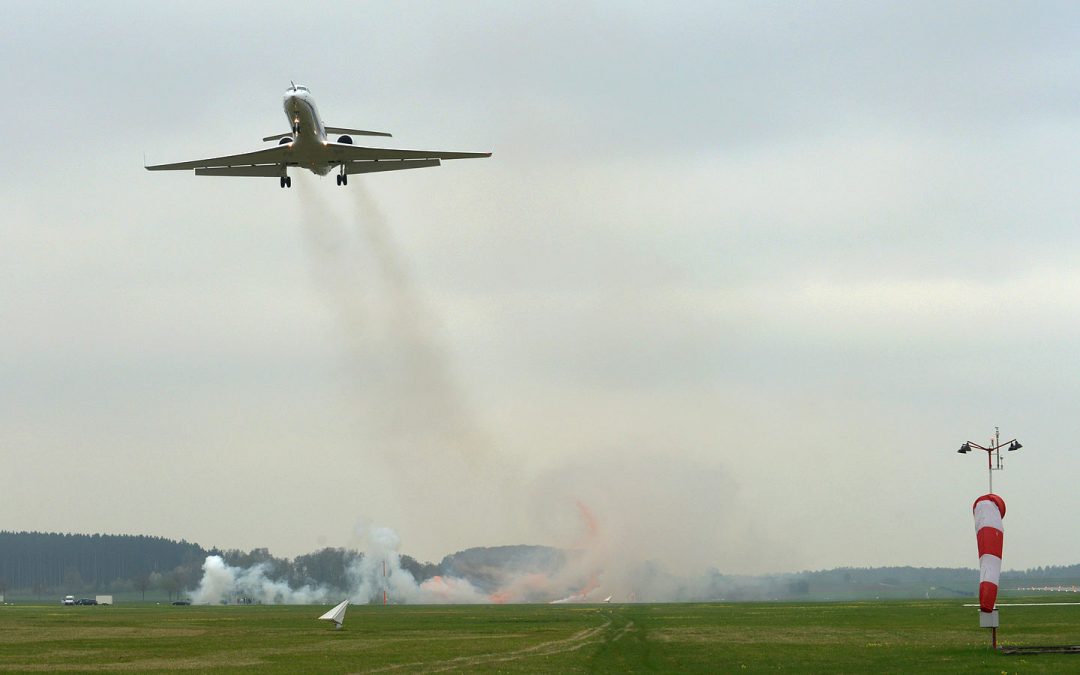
[(345, 139), (283, 141)]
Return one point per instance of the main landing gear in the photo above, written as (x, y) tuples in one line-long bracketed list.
[(286, 182), (343, 178)]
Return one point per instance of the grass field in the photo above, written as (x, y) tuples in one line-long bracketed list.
[(823, 637)]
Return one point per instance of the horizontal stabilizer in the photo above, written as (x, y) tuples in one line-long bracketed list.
[(272, 170), (389, 165), (354, 132)]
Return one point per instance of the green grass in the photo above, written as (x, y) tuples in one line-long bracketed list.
[(823, 637)]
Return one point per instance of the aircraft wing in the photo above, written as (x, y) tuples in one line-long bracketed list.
[(344, 152), (244, 161)]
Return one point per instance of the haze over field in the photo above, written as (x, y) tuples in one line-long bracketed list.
[(739, 277)]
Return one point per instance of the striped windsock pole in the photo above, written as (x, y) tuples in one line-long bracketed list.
[(989, 510)]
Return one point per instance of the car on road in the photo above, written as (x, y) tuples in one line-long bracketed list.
[(68, 600), (86, 601)]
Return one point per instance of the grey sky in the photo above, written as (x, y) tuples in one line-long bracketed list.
[(740, 277)]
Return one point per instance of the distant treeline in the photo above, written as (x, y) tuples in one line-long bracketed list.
[(40, 563), (43, 561), (887, 582), (942, 575)]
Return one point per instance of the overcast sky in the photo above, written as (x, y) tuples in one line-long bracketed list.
[(739, 278)]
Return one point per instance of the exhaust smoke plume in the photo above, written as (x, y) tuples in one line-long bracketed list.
[(424, 376), (413, 419), (405, 377), (411, 412)]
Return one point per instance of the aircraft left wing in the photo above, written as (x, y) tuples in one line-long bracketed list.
[(264, 159)]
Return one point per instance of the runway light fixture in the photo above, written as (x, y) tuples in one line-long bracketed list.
[(993, 453)]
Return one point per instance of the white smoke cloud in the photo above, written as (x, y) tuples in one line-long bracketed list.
[(378, 574), (370, 576), (225, 583), (593, 566)]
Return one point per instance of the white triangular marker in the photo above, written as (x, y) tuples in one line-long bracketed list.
[(337, 614)]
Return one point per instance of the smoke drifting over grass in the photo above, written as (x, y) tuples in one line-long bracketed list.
[(512, 574), (224, 583), (530, 574)]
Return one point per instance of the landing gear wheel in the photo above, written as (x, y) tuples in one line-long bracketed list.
[(344, 179), (338, 177), (282, 181), (288, 181)]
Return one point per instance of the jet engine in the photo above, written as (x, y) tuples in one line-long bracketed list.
[(286, 139), (345, 139)]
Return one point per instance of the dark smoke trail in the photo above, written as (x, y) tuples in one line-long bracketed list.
[(334, 264), (410, 410), (426, 369)]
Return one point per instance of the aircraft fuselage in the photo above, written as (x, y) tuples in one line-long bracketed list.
[(307, 149)]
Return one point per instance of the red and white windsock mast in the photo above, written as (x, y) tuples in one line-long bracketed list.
[(989, 510)]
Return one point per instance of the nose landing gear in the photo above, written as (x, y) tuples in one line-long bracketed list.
[(343, 178), (286, 182)]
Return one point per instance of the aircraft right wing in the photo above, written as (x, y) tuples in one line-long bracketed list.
[(247, 162), (344, 152)]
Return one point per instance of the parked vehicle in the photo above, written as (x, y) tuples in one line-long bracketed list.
[(68, 600), (85, 601)]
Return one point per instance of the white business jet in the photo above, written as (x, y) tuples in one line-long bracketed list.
[(306, 146)]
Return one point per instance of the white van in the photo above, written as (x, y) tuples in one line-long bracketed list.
[(68, 600)]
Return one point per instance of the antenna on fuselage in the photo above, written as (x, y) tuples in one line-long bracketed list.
[(293, 85)]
